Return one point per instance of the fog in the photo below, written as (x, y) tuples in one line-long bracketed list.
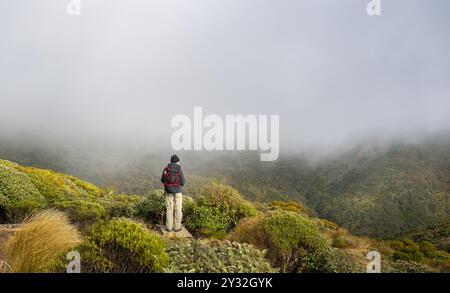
[(116, 75)]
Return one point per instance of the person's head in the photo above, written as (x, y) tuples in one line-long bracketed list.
[(174, 159)]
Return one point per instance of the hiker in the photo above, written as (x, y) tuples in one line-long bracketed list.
[(173, 180)]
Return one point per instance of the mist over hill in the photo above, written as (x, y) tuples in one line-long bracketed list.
[(374, 187)]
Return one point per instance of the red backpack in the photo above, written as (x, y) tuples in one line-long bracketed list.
[(171, 177)]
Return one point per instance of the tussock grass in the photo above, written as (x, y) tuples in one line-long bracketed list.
[(40, 239), (4, 267)]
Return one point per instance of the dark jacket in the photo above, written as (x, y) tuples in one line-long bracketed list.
[(174, 189)]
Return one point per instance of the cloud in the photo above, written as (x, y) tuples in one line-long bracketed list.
[(123, 69)]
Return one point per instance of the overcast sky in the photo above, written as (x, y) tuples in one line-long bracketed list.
[(122, 69)]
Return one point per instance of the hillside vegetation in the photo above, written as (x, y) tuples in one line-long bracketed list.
[(116, 233), (384, 191)]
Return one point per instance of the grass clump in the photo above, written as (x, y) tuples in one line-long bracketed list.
[(39, 241)]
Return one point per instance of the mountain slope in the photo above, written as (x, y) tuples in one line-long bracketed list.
[(375, 190), (25, 189)]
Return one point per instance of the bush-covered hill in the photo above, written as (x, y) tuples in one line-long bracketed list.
[(374, 190), (115, 233), (383, 194), (370, 190), (24, 190)]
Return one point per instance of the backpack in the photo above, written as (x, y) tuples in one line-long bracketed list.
[(171, 177)]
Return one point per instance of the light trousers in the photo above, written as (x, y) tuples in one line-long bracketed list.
[(174, 211)]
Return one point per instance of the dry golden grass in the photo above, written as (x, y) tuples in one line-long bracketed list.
[(40, 239), (4, 267)]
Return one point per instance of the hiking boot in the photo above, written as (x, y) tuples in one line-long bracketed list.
[(174, 230)]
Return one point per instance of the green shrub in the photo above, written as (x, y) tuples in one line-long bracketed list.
[(153, 207), (219, 209), (84, 187), (340, 242), (25, 189), (291, 206), (292, 240), (407, 250), (120, 205), (188, 206), (338, 261), (402, 266), (121, 245), (85, 212), (207, 219), (49, 184), (18, 195), (214, 256), (428, 249), (443, 265), (325, 225)]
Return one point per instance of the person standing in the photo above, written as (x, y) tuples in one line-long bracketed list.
[(173, 180)]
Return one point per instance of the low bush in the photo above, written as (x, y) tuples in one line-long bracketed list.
[(120, 205), (24, 190), (85, 213), (407, 250), (121, 245), (325, 225), (18, 195), (291, 206), (292, 240), (153, 207), (428, 249), (214, 256), (340, 242), (51, 185), (39, 241), (339, 261), (402, 266), (208, 219), (219, 208)]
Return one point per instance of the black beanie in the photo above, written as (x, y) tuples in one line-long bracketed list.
[(174, 159)]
